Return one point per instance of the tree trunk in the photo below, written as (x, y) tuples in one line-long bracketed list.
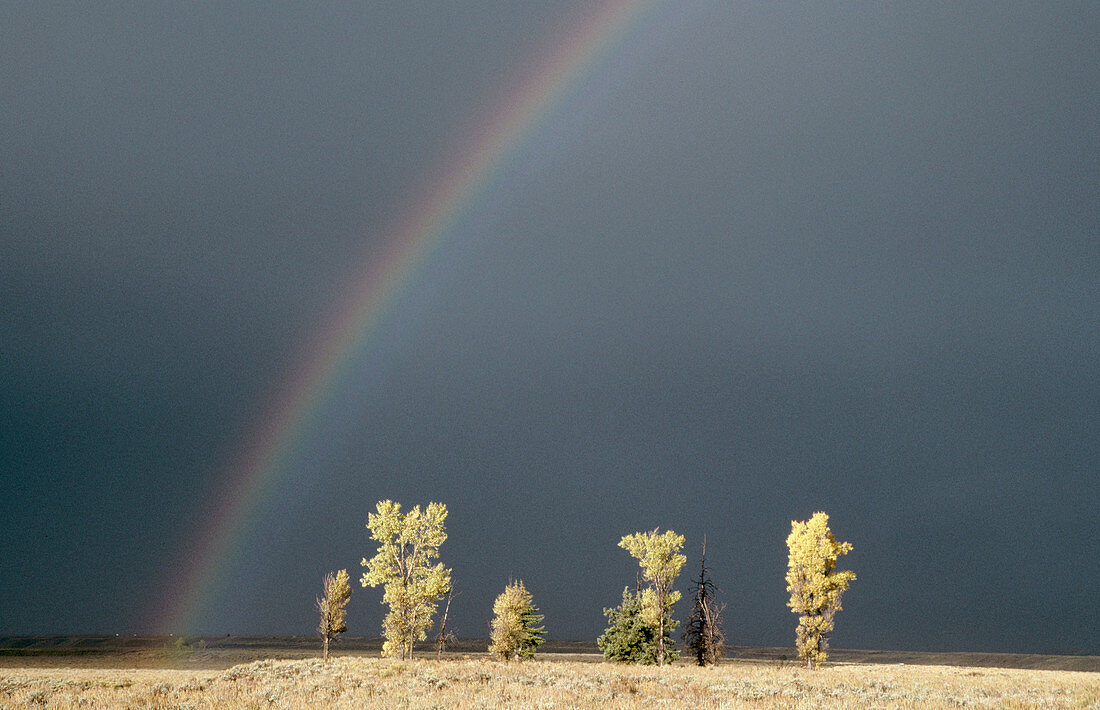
[(660, 623), (443, 630), (324, 655)]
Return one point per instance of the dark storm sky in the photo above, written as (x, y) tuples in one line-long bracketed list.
[(765, 259)]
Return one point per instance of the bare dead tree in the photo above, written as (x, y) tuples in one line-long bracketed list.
[(703, 634)]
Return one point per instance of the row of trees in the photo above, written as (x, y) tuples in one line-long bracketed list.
[(413, 582), (639, 629)]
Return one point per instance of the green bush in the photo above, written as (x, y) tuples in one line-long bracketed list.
[(628, 638)]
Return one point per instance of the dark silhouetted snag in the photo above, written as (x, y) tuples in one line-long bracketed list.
[(703, 635)]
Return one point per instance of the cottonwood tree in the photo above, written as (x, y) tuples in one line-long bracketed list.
[(628, 637), (703, 635), (815, 584), (660, 559), (515, 631), (408, 544), (332, 607)]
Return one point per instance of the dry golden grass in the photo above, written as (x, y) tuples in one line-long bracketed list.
[(358, 682)]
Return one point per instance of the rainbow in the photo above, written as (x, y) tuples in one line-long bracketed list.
[(259, 466)]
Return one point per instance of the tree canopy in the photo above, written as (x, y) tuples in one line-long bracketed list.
[(815, 584), (408, 545), (628, 637), (332, 607), (661, 561), (515, 632)]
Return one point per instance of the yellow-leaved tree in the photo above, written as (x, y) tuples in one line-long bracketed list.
[(332, 607), (408, 544), (660, 559), (815, 584), (515, 632)]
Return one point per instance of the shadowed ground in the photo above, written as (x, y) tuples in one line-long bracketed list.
[(222, 652)]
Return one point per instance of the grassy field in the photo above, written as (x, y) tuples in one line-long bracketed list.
[(358, 682), (191, 678)]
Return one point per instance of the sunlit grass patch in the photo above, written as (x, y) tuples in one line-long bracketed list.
[(358, 682)]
